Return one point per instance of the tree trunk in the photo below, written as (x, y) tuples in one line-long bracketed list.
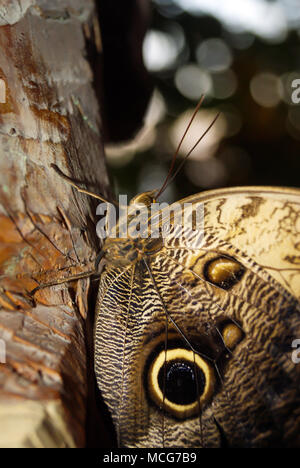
[(48, 114)]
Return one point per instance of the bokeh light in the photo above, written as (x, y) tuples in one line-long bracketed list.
[(207, 174), (214, 55), (159, 50), (239, 40), (243, 56), (208, 146), (191, 81), (265, 89), (269, 20), (224, 84)]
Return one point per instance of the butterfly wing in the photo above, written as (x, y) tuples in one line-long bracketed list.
[(263, 222), (204, 328)]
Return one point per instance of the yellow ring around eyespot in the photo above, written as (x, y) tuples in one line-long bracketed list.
[(180, 411)]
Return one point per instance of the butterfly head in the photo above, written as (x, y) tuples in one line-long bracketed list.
[(145, 198), (131, 239)]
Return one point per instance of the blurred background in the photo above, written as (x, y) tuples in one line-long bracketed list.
[(243, 55)]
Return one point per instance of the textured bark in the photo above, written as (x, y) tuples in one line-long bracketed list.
[(47, 229)]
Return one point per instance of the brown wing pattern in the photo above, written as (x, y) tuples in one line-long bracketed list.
[(243, 280)]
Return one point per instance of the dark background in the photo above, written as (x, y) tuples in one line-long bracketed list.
[(244, 60)]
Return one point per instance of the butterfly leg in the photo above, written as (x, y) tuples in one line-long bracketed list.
[(86, 274), (81, 190)]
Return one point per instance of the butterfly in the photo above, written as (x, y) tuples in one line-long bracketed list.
[(193, 345), (194, 332)]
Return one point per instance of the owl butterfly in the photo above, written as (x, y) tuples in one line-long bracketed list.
[(194, 334)]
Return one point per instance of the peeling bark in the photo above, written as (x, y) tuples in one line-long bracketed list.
[(47, 229)]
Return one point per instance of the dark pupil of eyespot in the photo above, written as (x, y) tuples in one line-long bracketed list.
[(181, 386)]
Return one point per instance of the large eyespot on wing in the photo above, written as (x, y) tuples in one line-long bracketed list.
[(181, 382)]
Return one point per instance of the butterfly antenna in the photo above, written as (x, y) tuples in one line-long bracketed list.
[(179, 146), (189, 153)]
